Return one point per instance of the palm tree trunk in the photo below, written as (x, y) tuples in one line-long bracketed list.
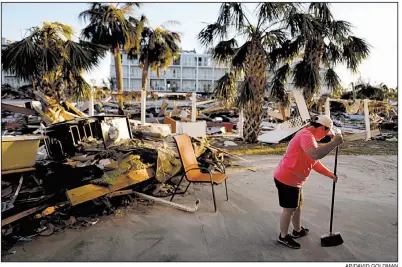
[(144, 79), (255, 66), (119, 75)]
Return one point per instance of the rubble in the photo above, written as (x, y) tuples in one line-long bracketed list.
[(84, 167)]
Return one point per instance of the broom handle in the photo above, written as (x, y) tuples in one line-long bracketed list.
[(333, 191)]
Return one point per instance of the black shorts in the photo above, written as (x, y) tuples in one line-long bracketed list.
[(289, 196)]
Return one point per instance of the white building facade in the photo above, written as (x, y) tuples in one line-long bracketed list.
[(191, 72), (7, 77)]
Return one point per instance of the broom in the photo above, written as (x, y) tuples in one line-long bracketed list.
[(332, 239)]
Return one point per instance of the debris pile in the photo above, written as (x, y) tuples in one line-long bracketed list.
[(85, 167)]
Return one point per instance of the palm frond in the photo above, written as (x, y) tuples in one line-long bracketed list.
[(169, 23), (79, 89), (287, 52), (274, 38), (240, 57), (232, 13), (246, 93), (269, 11), (355, 50), (332, 80), (224, 50), (84, 55), (321, 11), (22, 59), (339, 29), (332, 54), (225, 89), (278, 90), (210, 33), (108, 25), (306, 75), (303, 24)]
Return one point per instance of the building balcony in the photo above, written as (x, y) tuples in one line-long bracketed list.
[(207, 78), (189, 77)]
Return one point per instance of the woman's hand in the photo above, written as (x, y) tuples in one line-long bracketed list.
[(334, 177)]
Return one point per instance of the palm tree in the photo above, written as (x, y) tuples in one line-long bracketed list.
[(252, 59), (112, 26), (52, 60), (332, 45), (159, 48)]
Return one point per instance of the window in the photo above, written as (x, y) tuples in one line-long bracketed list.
[(125, 84), (176, 62), (125, 71)]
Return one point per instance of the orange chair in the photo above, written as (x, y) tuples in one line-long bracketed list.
[(192, 171)]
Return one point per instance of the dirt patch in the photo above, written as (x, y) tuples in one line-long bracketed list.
[(370, 148), (362, 147)]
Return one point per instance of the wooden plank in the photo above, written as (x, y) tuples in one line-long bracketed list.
[(120, 193), (18, 170), (360, 136), (77, 111), (22, 215), (20, 110), (88, 192)]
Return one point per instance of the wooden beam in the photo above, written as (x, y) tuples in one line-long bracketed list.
[(120, 193), (76, 110), (18, 170), (88, 192), (20, 110), (361, 136), (22, 215)]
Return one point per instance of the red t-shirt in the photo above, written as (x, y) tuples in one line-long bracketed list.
[(296, 165)]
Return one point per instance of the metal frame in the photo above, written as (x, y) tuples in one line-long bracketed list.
[(72, 134), (211, 180)]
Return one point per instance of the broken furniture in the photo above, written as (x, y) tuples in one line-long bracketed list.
[(67, 138), (18, 156), (193, 129), (18, 153), (192, 171)]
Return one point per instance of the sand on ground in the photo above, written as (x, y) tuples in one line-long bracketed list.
[(246, 227)]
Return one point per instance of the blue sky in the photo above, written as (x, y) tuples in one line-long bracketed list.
[(375, 22)]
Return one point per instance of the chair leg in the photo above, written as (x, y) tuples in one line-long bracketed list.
[(213, 195), (187, 187), (177, 187), (226, 187)]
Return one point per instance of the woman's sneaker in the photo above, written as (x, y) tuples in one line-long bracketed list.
[(288, 241), (303, 232)]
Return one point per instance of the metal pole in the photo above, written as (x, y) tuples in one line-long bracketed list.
[(193, 107), (367, 119), (241, 123), (143, 106)]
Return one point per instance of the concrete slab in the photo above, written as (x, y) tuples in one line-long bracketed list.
[(246, 227)]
